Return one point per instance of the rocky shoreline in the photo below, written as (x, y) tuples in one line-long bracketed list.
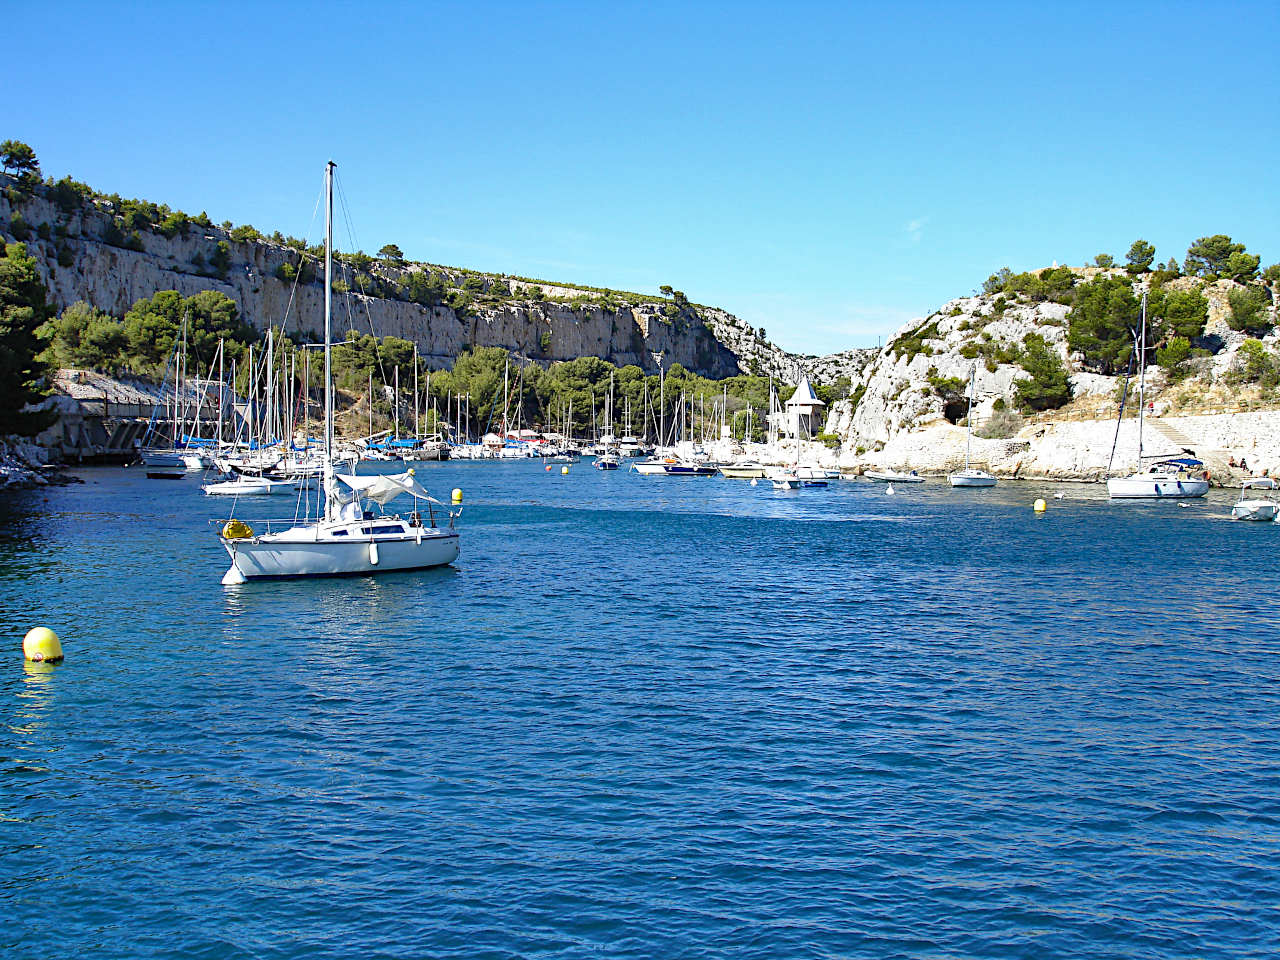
[(24, 466), (1081, 450)]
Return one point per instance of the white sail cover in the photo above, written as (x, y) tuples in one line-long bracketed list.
[(385, 488)]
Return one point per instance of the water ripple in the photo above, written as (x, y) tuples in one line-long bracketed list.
[(643, 718)]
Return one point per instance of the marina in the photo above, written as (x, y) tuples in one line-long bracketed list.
[(634, 482)]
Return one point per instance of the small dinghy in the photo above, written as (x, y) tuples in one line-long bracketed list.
[(250, 487)]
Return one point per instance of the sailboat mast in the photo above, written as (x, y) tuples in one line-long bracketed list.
[(968, 439), (221, 389), (1142, 377), (662, 405), (306, 399), (328, 321)]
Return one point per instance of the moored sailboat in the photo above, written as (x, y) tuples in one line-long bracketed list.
[(971, 476), (349, 536), (1168, 477)]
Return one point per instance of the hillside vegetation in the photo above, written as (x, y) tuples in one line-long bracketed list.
[(111, 252), (1060, 341)]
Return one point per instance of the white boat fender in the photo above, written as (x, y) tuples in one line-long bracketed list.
[(754, 482), (373, 553)]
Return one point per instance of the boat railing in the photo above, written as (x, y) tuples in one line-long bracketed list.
[(432, 519)]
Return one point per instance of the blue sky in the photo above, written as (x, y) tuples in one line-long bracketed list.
[(827, 171)]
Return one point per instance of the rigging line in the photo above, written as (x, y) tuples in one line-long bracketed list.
[(351, 236), (1123, 399), (302, 261)]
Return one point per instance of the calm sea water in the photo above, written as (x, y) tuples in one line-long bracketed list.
[(647, 717)]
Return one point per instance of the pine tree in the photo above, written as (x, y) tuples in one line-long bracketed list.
[(23, 308)]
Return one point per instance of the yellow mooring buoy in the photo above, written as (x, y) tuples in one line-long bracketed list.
[(564, 469), (457, 494), (1039, 506), (42, 645)]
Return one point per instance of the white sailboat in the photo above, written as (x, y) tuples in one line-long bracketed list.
[(971, 476), (348, 537), (1168, 478)]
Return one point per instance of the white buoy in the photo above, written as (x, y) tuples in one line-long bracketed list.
[(755, 483), (889, 490), (1059, 495)]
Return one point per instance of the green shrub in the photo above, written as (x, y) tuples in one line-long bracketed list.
[(1001, 425), (856, 396), (830, 440), (220, 259), (1173, 357), (174, 224), (1254, 360), (1048, 387), (19, 227), (1249, 310), (912, 343), (1178, 313), (1101, 322)]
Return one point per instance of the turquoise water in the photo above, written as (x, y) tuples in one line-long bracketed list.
[(648, 717)]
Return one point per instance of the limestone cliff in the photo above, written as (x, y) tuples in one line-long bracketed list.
[(544, 321), (908, 400)]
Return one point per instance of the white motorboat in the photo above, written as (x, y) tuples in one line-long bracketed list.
[(673, 467), (349, 537), (893, 476), (784, 479), (1259, 509), (607, 461), (1256, 508), (250, 487), (971, 476), (747, 470)]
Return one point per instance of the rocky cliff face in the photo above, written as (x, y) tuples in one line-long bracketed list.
[(564, 323), (905, 409)]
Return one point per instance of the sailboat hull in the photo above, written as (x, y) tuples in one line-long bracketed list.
[(271, 558), (1155, 487), (971, 478)]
